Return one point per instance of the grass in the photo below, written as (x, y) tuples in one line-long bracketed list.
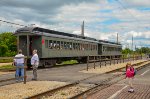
[(6, 60), (68, 62), (10, 67), (7, 68)]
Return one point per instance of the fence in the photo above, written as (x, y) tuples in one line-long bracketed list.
[(109, 58)]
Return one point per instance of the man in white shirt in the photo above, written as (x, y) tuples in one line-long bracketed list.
[(35, 63), (19, 61)]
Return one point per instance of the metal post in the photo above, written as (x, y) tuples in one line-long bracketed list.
[(120, 59), (100, 61), (94, 61), (117, 59), (110, 60), (17, 43), (123, 58), (28, 45), (114, 60), (87, 62), (25, 67), (105, 60)]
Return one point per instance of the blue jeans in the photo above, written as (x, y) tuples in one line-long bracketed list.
[(19, 71)]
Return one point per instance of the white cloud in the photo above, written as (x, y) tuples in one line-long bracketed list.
[(67, 16)]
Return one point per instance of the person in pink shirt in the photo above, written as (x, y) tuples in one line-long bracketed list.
[(130, 75)]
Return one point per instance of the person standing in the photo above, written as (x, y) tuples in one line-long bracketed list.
[(130, 72), (35, 63), (19, 61)]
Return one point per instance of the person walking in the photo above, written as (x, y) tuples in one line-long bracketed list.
[(130, 72), (19, 63), (35, 63)]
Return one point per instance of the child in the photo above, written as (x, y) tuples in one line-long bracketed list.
[(130, 76)]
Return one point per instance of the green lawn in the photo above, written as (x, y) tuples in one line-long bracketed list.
[(68, 62), (7, 68), (6, 60), (10, 67)]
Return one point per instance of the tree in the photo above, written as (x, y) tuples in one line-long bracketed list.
[(8, 46), (126, 51), (3, 49)]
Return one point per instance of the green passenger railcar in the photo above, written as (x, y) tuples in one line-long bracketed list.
[(54, 46)]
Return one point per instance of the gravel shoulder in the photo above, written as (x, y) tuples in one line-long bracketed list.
[(20, 90), (108, 68)]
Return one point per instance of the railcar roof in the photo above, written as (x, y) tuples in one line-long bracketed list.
[(47, 32)]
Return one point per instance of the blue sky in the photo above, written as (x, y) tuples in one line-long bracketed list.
[(103, 18)]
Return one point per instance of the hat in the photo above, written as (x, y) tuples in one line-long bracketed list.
[(20, 51), (129, 63)]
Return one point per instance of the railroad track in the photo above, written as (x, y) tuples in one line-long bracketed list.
[(7, 81), (98, 86), (51, 92)]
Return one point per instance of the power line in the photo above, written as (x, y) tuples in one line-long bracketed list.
[(137, 20), (11, 23)]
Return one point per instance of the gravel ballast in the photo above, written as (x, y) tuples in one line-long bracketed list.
[(20, 90), (67, 93)]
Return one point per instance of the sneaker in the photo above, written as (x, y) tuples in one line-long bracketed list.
[(17, 80), (22, 80), (34, 79), (131, 90)]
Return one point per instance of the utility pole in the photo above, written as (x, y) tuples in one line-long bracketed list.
[(117, 38), (82, 29), (132, 42)]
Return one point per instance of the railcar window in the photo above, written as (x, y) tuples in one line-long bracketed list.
[(50, 44), (78, 46), (70, 46), (89, 47), (62, 45), (96, 47), (54, 45), (65, 45), (58, 45), (113, 49), (46, 43), (83, 46), (104, 48), (74, 45)]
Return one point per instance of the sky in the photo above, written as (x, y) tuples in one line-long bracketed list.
[(104, 19)]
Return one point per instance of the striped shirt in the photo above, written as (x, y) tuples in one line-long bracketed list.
[(19, 58)]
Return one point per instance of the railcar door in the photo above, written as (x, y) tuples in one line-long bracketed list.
[(35, 43), (23, 44)]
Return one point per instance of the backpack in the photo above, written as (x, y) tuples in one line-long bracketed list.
[(130, 72)]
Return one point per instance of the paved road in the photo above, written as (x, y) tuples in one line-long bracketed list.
[(64, 74), (120, 90)]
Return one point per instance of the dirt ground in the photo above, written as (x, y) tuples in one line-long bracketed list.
[(3, 64)]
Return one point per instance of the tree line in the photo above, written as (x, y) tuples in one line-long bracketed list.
[(142, 50), (8, 46)]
